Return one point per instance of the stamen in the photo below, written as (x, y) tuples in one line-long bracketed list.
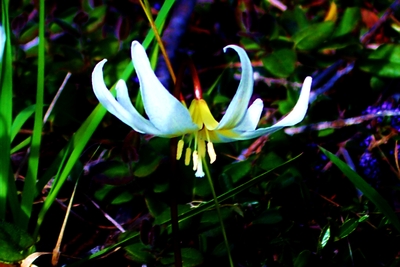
[(201, 148), (195, 160), (200, 172), (211, 152), (210, 149), (187, 156), (179, 149)]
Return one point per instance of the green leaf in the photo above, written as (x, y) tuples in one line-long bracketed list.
[(383, 62), (96, 18), (326, 132), (313, 36), (6, 100), (190, 257), (211, 216), (139, 253), (294, 20), (105, 48), (347, 228), (237, 170), (349, 21), (285, 106), (21, 118), (30, 33), (303, 259), (220, 250), (14, 243), (281, 63), (147, 165), (324, 236), (28, 192), (365, 188), (270, 160), (270, 216)]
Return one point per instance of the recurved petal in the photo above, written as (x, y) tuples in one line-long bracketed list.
[(300, 109), (164, 111), (252, 117), (138, 122), (109, 102), (295, 116), (226, 136), (237, 108)]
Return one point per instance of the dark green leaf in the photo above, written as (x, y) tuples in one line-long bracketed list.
[(14, 242), (280, 63), (190, 257), (294, 20), (347, 228), (238, 170), (21, 118), (269, 217), (303, 259), (324, 236), (349, 21), (139, 253), (384, 61), (313, 36)]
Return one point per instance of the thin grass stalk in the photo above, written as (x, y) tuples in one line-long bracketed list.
[(56, 251), (217, 206), (146, 8), (5, 115), (33, 163)]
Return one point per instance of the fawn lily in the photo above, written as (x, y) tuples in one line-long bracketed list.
[(168, 117)]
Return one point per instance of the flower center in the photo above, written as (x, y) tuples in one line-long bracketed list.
[(201, 115)]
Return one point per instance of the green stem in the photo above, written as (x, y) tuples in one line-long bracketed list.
[(217, 206)]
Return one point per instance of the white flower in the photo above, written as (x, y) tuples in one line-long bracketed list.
[(167, 117)]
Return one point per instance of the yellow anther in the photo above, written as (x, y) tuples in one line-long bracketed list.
[(211, 152), (195, 160), (179, 149), (188, 153)]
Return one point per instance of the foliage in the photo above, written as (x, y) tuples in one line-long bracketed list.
[(323, 193)]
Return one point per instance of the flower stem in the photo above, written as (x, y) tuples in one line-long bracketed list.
[(207, 172)]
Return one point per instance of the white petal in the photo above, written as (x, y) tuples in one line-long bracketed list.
[(237, 108), (300, 109), (252, 117), (294, 117), (235, 135), (136, 121), (139, 123), (2, 42), (259, 132), (163, 109)]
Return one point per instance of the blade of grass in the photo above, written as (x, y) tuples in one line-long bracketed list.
[(5, 112), (367, 190), (84, 133), (186, 215), (33, 163), (21, 118)]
